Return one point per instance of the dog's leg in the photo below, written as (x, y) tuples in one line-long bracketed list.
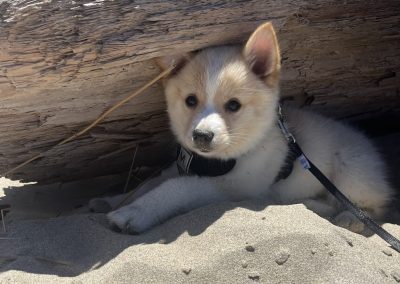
[(106, 204), (172, 197)]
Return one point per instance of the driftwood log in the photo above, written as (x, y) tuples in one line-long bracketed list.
[(63, 63)]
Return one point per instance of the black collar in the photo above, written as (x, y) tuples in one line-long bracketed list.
[(190, 163)]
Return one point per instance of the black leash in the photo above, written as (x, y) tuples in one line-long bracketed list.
[(350, 206)]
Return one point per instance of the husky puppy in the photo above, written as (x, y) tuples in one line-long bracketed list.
[(222, 104)]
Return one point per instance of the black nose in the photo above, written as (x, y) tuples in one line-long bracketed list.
[(202, 137)]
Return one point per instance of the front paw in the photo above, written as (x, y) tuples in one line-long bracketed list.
[(132, 219)]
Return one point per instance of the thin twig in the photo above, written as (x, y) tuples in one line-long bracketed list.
[(54, 261), (119, 151), (7, 258), (2, 220), (129, 194), (97, 121), (131, 168)]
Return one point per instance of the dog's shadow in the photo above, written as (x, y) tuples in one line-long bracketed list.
[(196, 221), (69, 245)]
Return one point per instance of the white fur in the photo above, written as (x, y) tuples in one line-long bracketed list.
[(344, 155)]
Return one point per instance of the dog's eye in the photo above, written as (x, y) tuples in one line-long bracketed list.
[(191, 101), (233, 105)]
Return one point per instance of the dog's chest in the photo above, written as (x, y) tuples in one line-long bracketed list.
[(254, 172)]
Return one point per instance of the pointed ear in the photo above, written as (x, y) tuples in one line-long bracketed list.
[(179, 60), (262, 51)]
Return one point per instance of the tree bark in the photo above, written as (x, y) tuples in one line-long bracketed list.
[(63, 63)]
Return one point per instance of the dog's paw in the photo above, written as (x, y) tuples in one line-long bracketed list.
[(132, 219), (349, 221), (99, 205)]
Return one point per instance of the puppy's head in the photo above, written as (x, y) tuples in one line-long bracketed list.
[(222, 100)]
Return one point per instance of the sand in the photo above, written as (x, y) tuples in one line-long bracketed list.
[(224, 243)]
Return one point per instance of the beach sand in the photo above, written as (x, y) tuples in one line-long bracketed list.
[(221, 243)]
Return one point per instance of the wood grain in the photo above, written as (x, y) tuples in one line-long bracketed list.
[(63, 63)]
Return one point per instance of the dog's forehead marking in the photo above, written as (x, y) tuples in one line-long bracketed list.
[(213, 70), (222, 71)]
